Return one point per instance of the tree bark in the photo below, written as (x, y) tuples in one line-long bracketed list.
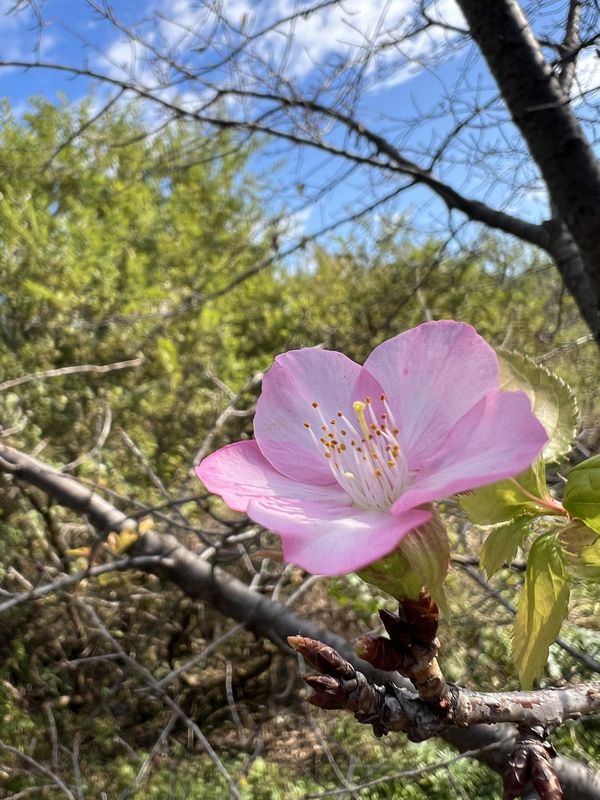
[(540, 110)]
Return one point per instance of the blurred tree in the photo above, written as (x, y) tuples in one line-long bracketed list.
[(505, 139)]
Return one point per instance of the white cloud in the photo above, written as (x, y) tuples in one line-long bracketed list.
[(344, 31), (129, 60), (20, 35), (587, 73)]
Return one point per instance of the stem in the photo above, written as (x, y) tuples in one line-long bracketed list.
[(553, 505)]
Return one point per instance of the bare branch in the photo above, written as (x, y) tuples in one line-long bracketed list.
[(57, 373), (67, 581), (151, 681), (40, 768)]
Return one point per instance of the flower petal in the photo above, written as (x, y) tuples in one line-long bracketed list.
[(432, 375), (327, 540), (295, 381), (239, 472), (498, 438)]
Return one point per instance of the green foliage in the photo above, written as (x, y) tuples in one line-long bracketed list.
[(123, 243), (552, 401), (505, 500), (582, 492), (582, 549), (542, 608), (107, 249), (502, 543)]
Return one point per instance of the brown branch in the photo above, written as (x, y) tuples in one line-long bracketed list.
[(201, 580), (40, 768), (155, 686), (390, 708), (474, 209), (551, 130)]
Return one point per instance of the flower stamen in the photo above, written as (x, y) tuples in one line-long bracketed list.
[(369, 466)]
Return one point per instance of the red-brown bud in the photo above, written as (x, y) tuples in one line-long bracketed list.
[(322, 657)]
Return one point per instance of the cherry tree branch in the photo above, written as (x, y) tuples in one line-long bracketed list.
[(199, 579)]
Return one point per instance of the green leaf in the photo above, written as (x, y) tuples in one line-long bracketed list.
[(551, 398), (542, 608), (505, 500), (582, 492), (501, 544), (581, 546)]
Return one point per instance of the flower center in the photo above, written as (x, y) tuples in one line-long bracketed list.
[(365, 458)]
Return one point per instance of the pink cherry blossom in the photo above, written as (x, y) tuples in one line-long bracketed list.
[(346, 458)]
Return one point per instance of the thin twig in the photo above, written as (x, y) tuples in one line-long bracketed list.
[(149, 678), (414, 773), (40, 767), (56, 373), (70, 580)]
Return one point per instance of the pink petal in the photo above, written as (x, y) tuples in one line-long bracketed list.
[(496, 439), (326, 540), (239, 473), (432, 375), (295, 381)]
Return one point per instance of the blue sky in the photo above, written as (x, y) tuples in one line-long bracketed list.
[(396, 88)]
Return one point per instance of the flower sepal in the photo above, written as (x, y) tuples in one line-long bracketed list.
[(393, 574), (420, 561)]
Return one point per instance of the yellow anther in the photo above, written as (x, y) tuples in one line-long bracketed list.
[(359, 410)]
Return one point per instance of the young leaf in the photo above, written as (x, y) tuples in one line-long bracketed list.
[(505, 500), (542, 608), (552, 400), (501, 544), (581, 546), (582, 492)]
